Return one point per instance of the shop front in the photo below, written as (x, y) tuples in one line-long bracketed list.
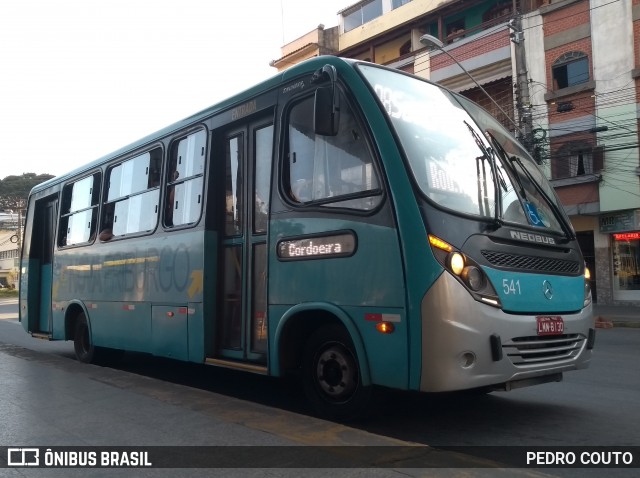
[(624, 230)]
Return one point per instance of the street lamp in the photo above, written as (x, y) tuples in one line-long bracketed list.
[(431, 41)]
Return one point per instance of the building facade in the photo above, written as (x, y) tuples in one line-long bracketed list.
[(562, 75), (9, 249), (9, 259), (588, 127), (315, 43)]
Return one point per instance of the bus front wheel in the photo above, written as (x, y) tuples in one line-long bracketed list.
[(331, 375), (82, 345)]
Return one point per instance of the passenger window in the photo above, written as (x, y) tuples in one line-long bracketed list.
[(335, 171), (79, 211), (233, 184), (185, 180), (263, 151), (133, 192)]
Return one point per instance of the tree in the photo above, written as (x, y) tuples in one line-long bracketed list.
[(14, 190)]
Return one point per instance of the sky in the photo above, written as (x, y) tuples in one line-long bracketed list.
[(81, 78)]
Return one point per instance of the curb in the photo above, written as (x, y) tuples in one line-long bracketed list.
[(604, 322), (632, 324)]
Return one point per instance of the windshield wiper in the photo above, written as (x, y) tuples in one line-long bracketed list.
[(515, 159), (487, 154), (507, 161)]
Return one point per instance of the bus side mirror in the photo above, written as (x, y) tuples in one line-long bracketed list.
[(325, 112)]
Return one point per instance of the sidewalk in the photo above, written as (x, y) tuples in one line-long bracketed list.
[(13, 315), (616, 316), (78, 405)]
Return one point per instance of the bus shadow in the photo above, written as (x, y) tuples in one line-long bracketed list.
[(438, 420), (269, 391), (468, 419)]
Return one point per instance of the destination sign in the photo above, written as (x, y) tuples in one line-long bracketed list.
[(335, 245)]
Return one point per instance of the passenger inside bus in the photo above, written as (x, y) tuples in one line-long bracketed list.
[(170, 200), (106, 232)]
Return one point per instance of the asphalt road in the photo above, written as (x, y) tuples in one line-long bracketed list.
[(598, 406)]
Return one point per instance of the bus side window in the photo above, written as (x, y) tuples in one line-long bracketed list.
[(301, 152), (171, 197), (183, 202), (337, 170), (132, 196), (79, 212)]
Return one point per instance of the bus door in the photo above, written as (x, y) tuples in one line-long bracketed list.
[(42, 252), (242, 330)]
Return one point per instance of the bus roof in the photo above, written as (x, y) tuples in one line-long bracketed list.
[(281, 77)]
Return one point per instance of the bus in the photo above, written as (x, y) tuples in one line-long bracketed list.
[(352, 225)]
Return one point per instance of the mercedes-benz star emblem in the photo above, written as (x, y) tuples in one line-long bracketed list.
[(547, 290)]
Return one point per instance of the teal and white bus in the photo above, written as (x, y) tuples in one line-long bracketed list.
[(346, 222)]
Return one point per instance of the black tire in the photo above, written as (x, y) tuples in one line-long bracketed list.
[(82, 344), (331, 375), (86, 352)]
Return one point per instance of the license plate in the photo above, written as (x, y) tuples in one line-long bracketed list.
[(553, 325)]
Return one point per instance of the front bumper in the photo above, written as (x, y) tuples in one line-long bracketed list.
[(467, 344)]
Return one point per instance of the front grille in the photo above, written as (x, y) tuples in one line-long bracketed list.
[(540, 350), (531, 263)]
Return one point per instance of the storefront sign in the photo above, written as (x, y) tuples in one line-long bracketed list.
[(622, 221), (627, 236)]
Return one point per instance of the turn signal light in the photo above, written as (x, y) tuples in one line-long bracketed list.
[(385, 327), (439, 243)]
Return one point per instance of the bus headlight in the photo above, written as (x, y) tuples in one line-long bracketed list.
[(465, 270), (474, 278), (456, 263), (587, 286)]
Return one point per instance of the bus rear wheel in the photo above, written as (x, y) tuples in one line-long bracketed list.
[(331, 376), (85, 351), (82, 345)]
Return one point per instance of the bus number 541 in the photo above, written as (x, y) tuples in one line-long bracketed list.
[(511, 287)]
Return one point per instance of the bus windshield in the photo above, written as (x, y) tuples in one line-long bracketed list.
[(461, 157)]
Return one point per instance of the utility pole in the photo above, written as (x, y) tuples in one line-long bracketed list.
[(523, 102)]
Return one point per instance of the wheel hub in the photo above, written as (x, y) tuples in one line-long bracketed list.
[(336, 372)]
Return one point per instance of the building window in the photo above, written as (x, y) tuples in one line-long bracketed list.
[(580, 163), (398, 3), (405, 48), (362, 14), (498, 13), (574, 159), (455, 30), (11, 254), (570, 69)]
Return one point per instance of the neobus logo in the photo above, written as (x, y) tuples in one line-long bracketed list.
[(526, 236)]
